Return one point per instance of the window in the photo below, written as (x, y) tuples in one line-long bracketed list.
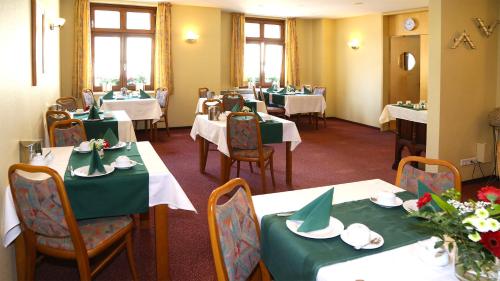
[(264, 51), (122, 45)]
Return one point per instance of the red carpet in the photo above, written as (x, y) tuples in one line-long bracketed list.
[(343, 152)]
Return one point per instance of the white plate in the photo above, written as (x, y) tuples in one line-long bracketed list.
[(77, 149), (108, 117), (333, 229), (120, 144), (132, 164), (410, 205), (398, 202), (84, 171), (373, 235)]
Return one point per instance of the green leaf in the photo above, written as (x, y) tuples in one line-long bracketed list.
[(443, 204)]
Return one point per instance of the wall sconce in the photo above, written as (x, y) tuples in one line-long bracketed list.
[(57, 23), (354, 44), (192, 37)]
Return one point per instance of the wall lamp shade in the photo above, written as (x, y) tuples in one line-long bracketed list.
[(354, 44), (56, 23), (192, 37)]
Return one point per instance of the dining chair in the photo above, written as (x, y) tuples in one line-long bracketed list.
[(235, 234), (211, 102), (229, 100), (202, 92), (69, 132), (255, 95), (272, 110), (87, 98), (68, 103), (408, 175), (244, 142), (50, 228), (162, 97), (52, 116), (321, 91)]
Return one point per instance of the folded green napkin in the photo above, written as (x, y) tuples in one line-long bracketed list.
[(422, 189), (108, 96), (144, 95), (236, 108), (93, 113), (95, 162), (282, 91), (316, 215), (110, 137), (307, 91)]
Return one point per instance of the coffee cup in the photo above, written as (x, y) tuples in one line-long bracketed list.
[(84, 146), (358, 234), (399, 102), (408, 102), (79, 110), (122, 161), (386, 198), (38, 160)]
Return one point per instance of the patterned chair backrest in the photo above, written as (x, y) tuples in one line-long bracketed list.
[(202, 92), (162, 97), (232, 99), (69, 136), (242, 132), (320, 91), (238, 238), (87, 98), (52, 116), (39, 205), (437, 182), (68, 103)]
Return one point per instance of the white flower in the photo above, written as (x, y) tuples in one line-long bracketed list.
[(493, 223), (482, 213), (475, 237), (468, 220), (481, 225)]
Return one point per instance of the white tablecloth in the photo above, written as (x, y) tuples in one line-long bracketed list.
[(163, 187), (137, 109), (215, 131), (393, 265), (391, 112), (261, 106), (301, 103)]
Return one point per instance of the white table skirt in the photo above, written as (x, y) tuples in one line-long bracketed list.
[(261, 106), (391, 112), (163, 187), (137, 109), (215, 131), (394, 265), (301, 103)]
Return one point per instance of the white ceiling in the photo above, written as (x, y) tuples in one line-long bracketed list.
[(306, 8)]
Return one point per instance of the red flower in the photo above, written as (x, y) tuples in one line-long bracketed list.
[(489, 194), (422, 201), (491, 241), (106, 144), (86, 108)]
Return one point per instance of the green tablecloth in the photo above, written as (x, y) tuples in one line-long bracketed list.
[(252, 105), (291, 257), (119, 193), (96, 129), (271, 132)]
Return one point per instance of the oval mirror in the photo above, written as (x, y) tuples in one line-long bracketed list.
[(407, 61)]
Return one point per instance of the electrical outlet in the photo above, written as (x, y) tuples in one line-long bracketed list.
[(468, 161)]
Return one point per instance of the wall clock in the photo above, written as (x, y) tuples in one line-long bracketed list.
[(410, 24)]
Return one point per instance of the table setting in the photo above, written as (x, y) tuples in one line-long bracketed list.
[(295, 102), (138, 105), (254, 105)]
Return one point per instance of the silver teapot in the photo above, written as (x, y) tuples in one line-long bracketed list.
[(213, 113)]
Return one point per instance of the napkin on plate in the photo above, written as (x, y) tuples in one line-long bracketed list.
[(422, 189), (93, 113), (307, 91), (110, 136), (108, 96), (95, 162), (316, 214), (144, 95)]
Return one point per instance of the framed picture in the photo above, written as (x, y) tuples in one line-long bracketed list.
[(38, 28)]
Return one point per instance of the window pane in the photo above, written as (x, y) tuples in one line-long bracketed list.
[(272, 31), (106, 19), (252, 62), (139, 60), (252, 29), (138, 20), (106, 60), (273, 62)]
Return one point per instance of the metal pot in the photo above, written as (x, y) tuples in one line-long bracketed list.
[(213, 113)]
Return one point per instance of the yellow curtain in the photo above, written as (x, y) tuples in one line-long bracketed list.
[(291, 53), (82, 64), (163, 48), (237, 49)]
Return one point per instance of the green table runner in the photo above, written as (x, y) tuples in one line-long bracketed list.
[(291, 257), (119, 193), (96, 129), (252, 105), (271, 132)]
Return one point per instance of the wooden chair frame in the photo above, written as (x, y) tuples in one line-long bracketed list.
[(324, 113), (60, 101), (271, 109), (261, 161), (241, 100), (255, 95), (164, 112), (65, 123), (260, 272), (80, 253), (54, 112), (83, 98), (202, 92), (419, 159)]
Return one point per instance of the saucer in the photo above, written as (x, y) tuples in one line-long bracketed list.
[(398, 202), (120, 144), (370, 246), (411, 205), (132, 163), (77, 149), (84, 171), (335, 228)]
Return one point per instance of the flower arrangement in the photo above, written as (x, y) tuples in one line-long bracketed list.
[(99, 143), (246, 109), (473, 225)]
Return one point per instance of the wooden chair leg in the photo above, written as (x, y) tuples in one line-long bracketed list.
[(316, 117), (324, 119), (130, 256), (30, 258), (83, 267), (251, 167), (151, 130), (263, 175), (166, 124), (272, 171), (238, 168)]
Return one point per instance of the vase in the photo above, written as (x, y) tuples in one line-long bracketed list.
[(471, 275), (101, 153)]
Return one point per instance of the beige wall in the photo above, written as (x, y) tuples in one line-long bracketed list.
[(305, 45), (462, 85), (225, 58), (23, 102), (66, 43)]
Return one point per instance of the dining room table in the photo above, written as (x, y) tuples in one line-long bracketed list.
[(274, 130), (296, 102), (253, 104), (121, 192), (400, 256), (118, 121)]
